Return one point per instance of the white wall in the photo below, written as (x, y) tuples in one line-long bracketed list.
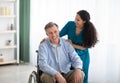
[(104, 66)]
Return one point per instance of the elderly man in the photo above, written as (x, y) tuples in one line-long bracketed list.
[(56, 56)]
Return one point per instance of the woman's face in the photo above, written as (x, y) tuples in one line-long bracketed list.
[(79, 22)]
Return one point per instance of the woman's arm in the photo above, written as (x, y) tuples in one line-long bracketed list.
[(76, 46)]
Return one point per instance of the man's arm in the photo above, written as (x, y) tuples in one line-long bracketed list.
[(75, 59), (76, 63), (42, 61)]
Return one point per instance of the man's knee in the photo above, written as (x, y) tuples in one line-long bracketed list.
[(46, 78)]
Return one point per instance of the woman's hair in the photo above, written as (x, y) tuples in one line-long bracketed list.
[(89, 34)]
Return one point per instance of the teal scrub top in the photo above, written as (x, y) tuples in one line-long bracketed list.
[(69, 29)]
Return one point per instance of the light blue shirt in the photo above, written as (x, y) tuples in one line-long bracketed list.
[(57, 59)]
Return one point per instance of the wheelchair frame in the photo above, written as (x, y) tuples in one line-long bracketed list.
[(35, 75)]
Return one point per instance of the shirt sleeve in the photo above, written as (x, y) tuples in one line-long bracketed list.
[(42, 61), (64, 30), (75, 59)]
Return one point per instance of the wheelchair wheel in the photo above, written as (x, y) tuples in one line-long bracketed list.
[(33, 77)]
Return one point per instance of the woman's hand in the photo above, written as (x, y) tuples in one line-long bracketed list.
[(42, 40), (78, 47), (69, 41)]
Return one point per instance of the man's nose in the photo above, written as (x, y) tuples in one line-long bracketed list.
[(53, 34)]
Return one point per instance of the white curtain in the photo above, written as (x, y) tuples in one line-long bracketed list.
[(105, 62)]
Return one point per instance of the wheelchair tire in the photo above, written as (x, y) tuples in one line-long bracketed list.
[(33, 77)]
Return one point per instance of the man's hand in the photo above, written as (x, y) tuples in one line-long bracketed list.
[(60, 78), (78, 76)]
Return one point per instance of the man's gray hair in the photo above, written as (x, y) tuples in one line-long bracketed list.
[(49, 25)]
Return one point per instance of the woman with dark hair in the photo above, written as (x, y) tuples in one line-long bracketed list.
[(82, 35)]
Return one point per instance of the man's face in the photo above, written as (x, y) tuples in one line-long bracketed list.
[(53, 34)]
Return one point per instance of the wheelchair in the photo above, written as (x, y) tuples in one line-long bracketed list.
[(35, 75)]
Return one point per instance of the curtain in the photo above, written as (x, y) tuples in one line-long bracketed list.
[(24, 29)]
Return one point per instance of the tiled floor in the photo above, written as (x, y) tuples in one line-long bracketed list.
[(15, 73)]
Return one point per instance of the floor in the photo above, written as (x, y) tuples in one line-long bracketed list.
[(15, 73), (20, 74)]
